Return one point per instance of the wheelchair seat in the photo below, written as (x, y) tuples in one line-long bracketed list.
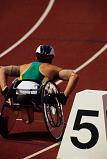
[(27, 87), (27, 93)]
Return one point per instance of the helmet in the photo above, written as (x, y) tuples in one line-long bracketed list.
[(45, 50)]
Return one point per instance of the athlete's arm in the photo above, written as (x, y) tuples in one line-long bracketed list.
[(54, 72), (5, 71), (72, 77)]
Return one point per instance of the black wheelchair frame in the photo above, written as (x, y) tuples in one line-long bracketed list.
[(52, 110)]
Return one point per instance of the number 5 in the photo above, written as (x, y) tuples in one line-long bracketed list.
[(92, 128)]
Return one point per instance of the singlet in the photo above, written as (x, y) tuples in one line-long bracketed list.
[(33, 73)]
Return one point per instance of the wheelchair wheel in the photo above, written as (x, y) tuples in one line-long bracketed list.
[(53, 113), (8, 118)]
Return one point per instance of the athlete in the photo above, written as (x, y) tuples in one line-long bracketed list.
[(39, 71)]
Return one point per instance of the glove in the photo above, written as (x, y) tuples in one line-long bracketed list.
[(4, 92), (62, 98)]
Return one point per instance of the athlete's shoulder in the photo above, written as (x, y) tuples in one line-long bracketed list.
[(24, 67), (53, 67)]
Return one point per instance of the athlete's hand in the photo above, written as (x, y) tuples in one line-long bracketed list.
[(62, 98)]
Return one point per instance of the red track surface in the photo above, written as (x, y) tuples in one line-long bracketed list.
[(77, 30)]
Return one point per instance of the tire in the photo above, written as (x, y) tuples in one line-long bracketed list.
[(53, 112)]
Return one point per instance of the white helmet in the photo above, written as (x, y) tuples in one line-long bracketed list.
[(45, 49)]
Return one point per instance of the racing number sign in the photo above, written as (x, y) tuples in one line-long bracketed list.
[(85, 136), (91, 127)]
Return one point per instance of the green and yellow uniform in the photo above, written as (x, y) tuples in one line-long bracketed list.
[(33, 73)]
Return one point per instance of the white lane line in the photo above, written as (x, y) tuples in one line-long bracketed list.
[(43, 150), (92, 58), (39, 121), (86, 63), (98, 53), (43, 16)]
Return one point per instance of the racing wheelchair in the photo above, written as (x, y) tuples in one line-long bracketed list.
[(44, 99)]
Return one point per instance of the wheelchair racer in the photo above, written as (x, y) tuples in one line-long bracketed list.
[(38, 71)]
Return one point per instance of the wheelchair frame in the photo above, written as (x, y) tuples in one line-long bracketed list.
[(52, 111)]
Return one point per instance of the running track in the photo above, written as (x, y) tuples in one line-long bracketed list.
[(77, 30)]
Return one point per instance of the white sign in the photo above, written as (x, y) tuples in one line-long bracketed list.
[(85, 135)]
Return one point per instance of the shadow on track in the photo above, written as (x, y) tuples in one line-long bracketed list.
[(29, 136)]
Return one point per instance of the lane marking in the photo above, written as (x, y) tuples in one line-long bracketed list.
[(43, 150), (43, 16), (86, 63), (97, 54), (39, 121)]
